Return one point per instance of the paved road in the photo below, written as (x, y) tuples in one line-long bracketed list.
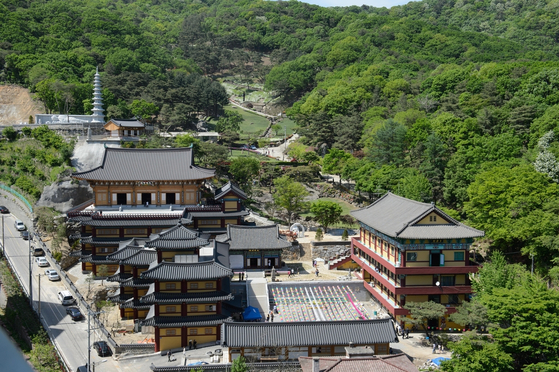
[(70, 336)]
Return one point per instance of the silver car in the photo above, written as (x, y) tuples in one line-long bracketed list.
[(19, 225), (41, 261), (52, 275)]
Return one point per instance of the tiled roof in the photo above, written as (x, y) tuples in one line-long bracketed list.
[(119, 277), (168, 164), (189, 298), (219, 193), (380, 363), (96, 259), (134, 304), (127, 123), (177, 237), (398, 217), (124, 253), (120, 297), (254, 237), (136, 282), (102, 241), (358, 332), (144, 257), (217, 214), (187, 271), (126, 221), (185, 321)]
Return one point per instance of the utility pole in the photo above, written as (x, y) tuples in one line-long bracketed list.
[(39, 296), (30, 271), (3, 246), (90, 313)]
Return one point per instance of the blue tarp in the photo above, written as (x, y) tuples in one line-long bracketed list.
[(438, 361), (251, 313)]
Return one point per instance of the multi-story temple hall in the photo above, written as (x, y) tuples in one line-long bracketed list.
[(139, 192), (413, 252)]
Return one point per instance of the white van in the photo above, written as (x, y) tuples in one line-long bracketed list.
[(66, 298)]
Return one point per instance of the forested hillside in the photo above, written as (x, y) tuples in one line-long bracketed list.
[(455, 102)]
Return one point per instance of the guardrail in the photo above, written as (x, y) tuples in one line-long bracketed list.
[(21, 197)]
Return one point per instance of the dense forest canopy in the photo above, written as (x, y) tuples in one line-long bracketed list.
[(455, 102)]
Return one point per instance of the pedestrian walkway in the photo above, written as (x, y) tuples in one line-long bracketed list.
[(257, 293)]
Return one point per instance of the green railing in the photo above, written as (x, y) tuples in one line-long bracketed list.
[(21, 197)]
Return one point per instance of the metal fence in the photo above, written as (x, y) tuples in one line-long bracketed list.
[(21, 197)]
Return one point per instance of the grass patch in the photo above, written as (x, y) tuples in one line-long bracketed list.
[(245, 154), (253, 123)]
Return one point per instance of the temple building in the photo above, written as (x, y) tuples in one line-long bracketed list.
[(174, 282), (123, 129), (271, 341), (140, 192), (413, 252), (254, 247)]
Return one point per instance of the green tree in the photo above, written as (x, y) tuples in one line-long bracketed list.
[(10, 133), (475, 353), (188, 140), (244, 170), (290, 196), (318, 235), (334, 162), (472, 314), (43, 356), (326, 212), (229, 121), (239, 365), (422, 312), (415, 186), (388, 144), (516, 208), (143, 110)]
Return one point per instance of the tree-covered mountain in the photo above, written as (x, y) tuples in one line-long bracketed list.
[(455, 102)]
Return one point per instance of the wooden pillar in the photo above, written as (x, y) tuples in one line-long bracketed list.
[(157, 340), (184, 340)]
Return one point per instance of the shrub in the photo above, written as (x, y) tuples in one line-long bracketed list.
[(318, 236)]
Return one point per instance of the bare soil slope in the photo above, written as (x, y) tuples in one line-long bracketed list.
[(16, 105)]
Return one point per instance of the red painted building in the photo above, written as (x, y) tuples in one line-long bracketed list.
[(413, 252)]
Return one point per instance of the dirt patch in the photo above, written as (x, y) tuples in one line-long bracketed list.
[(16, 105)]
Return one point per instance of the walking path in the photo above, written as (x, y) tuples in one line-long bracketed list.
[(257, 293)]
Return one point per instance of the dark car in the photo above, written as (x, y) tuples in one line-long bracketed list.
[(24, 234), (4, 209), (74, 313), (102, 348)]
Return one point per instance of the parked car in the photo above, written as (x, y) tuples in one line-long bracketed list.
[(52, 275), (24, 234), (19, 225), (41, 261), (4, 209), (253, 147), (74, 313), (102, 348), (66, 298), (37, 251)]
